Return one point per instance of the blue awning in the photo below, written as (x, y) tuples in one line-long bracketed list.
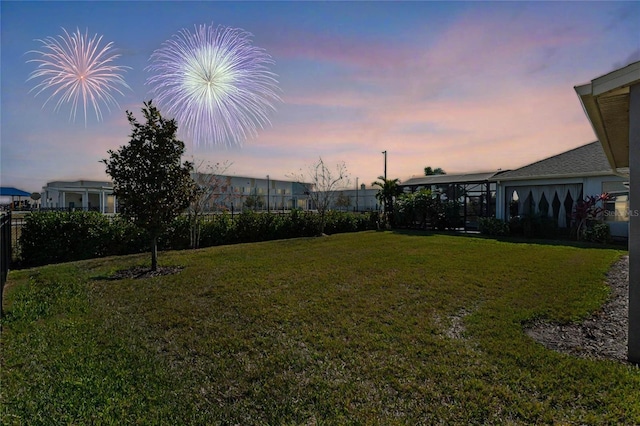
[(7, 191)]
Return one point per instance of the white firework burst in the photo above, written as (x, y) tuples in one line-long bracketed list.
[(215, 83), (78, 71)]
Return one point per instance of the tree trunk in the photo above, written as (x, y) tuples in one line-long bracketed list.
[(154, 253), (322, 224)]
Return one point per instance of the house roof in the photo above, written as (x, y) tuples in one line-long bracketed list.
[(586, 160), (7, 191), (80, 184), (446, 179), (606, 103)]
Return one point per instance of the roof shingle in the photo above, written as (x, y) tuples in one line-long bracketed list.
[(584, 160)]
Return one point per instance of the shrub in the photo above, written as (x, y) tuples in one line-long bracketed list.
[(125, 238), (598, 233), (245, 227), (52, 237), (303, 224), (340, 222), (217, 231), (177, 236), (536, 226), (448, 216), (369, 221), (494, 227)]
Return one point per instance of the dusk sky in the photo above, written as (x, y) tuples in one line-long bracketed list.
[(467, 87)]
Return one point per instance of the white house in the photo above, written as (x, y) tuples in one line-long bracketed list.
[(81, 195), (552, 187)]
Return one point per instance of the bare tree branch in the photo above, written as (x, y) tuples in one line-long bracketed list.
[(321, 183)]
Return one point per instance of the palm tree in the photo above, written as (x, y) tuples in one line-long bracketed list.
[(388, 190)]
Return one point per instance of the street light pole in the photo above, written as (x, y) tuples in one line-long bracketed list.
[(385, 164)]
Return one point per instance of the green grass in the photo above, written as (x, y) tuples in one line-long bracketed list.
[(347, 329)]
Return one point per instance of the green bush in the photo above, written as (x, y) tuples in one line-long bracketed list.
[(125, 238), (598, 233), (535, 226), (247, 227), (54, 237), (340, 222), (303, 224), (177, 236), (448, 215), (217, 231), (494, 227)]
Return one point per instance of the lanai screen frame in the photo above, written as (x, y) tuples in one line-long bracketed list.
[(484, 189)]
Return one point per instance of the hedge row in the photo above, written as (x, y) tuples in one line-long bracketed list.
[(54, 237), (542, 227)]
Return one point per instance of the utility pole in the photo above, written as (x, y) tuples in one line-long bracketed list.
[(356, 194), (385, 164)]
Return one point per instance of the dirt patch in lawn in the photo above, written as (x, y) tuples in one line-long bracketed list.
[(601, 336), (145, 272)]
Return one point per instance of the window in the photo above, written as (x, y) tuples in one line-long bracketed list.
[(617, 207)]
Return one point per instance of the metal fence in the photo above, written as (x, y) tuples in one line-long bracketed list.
[(5, 251)]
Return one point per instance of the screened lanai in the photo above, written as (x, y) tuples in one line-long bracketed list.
[(553, 200), (553, 186), (476, 193)]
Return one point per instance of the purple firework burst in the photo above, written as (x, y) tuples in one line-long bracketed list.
[(78, 71), (215, 83)]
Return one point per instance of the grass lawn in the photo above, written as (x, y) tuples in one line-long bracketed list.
[(347, 329)]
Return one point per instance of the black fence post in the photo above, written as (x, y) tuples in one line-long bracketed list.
[(5, 252)]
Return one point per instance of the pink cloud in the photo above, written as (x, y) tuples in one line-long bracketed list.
[(341, 50)]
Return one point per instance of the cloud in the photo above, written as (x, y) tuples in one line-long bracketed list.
[(337, 49)]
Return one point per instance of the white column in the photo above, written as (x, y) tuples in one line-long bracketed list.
[(85, 200), (634, 224)]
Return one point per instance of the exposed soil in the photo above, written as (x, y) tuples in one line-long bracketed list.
[(601, 336), (144, 272)]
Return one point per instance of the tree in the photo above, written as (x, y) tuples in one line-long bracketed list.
[(213, 191), (150, 182), (428, 171), (254, 202), (388, 190), (320, 183), (343, 201)]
